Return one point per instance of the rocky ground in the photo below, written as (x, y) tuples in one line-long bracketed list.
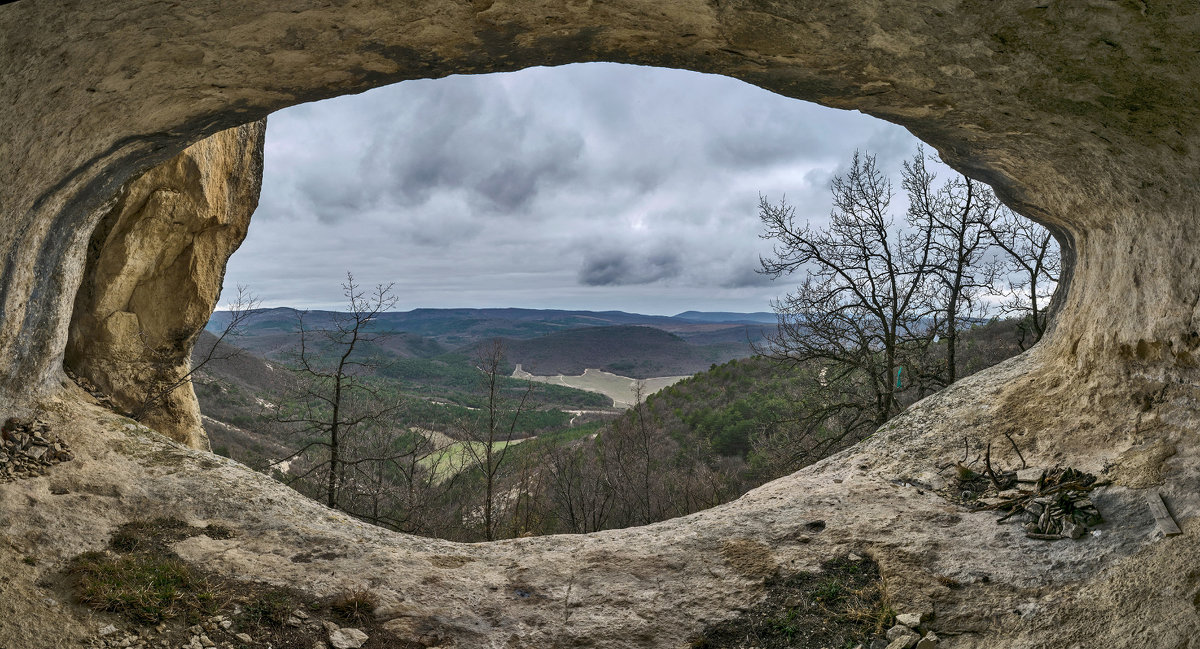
[(972, 579)]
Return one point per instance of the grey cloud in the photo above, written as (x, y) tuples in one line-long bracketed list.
[(578, 186), (745, 276), (624, 267)]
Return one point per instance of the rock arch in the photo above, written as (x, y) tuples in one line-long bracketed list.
[(1083, 116)]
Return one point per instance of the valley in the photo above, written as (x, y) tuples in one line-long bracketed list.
[(444, 434), (551, 433)]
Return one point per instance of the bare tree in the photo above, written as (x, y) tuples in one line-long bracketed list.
[(1032, 265), (490, 437), (959, 214), (862, 310), (167, 380), (336, 399), (631, 453), (581, 495)]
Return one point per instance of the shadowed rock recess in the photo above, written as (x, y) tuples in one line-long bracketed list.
[(1083, 116)]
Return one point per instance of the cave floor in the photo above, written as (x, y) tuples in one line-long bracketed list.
[(981, 584)]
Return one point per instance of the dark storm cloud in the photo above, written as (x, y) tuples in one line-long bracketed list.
[(625, 267), (585, 186)]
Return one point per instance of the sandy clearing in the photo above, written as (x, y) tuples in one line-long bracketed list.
[(621, 389)]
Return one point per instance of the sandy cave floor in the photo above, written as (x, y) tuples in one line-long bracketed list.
[(984, 584)]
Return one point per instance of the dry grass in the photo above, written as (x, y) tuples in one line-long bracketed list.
[(356, 607), (844, 605)]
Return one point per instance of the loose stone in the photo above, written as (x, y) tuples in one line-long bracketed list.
[(910, 620), (347, 638)]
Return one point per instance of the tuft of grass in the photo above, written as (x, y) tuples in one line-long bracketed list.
[(828, 591), (270, 607), (217, 532), (145, 587), (844, 605), (356, 606), (151, 535)]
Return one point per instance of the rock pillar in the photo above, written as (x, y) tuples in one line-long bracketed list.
[(155, 264)]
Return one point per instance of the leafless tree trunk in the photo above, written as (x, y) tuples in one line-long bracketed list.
[(337, 398), (862, 309), (489, 441), (1032, 266), (958, 214)]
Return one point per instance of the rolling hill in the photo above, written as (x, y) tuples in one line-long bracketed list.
[(453, 328), (635, 351)]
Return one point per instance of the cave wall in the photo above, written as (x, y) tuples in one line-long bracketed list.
[(153, 273), (1083, 116)]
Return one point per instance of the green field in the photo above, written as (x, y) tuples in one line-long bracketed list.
[(448, 461)]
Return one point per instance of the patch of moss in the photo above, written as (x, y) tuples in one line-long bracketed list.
[(140, 578), (844, 605), (270, 606)]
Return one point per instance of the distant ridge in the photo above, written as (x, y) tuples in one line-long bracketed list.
[(758, 317), (459, 326), (637, 351)]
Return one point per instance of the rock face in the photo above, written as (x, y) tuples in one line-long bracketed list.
[(1084, 116), (153, 274)]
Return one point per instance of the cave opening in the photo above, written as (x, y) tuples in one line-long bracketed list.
[(1082, 118), (600, 218)]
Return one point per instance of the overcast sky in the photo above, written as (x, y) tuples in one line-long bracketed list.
[(591, 186)]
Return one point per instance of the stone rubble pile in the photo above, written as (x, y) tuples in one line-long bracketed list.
[(909, 632), (28, 450), (220, 632), (96, 392)]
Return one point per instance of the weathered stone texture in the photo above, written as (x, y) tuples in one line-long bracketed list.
[(1085, 116), (154, 270)]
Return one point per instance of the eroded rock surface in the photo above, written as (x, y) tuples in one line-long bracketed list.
[(1085, 116), (154, 270), (980, 584)]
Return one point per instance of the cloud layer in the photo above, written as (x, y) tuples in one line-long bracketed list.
[(594, 186)]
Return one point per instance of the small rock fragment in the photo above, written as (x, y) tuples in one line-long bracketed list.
[(910, 620), (1031, 474), (293, 621), (107, 630), (902, 633), (244, 637), (928, 642), (347, 638), (1073, 530)]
